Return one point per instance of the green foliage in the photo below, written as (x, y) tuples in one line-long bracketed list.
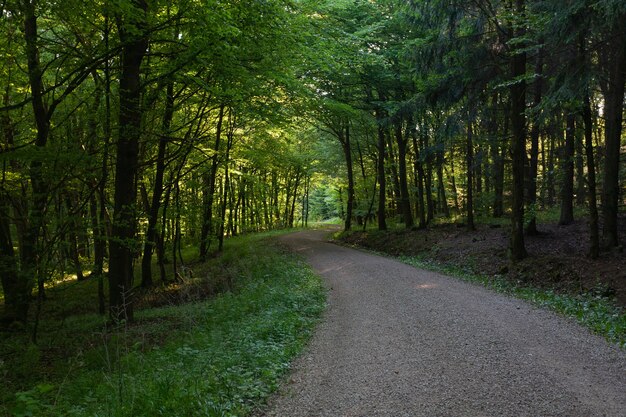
[(323, 203), (30, 403), (208, 358)]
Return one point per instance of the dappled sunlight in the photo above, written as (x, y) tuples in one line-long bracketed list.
[(427, 286), (336, 268), (301, 248)]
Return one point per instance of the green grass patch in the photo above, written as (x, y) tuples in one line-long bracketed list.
[(218, 357), (590, 309)]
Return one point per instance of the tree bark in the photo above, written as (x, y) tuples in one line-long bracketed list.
[(613, 111), (470, 174), (382, 180), (533, 160), (122, 244), (30, 248), (441, 189), (567, 168), (157, 193), (594, 237), (419, 173), (518, 143), (209, 191), (405, 202), (347, 150), (428, 176)]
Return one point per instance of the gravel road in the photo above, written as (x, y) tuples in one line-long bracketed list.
[(399, 341)]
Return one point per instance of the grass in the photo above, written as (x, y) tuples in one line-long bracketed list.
[(217, 357), (591, 309)]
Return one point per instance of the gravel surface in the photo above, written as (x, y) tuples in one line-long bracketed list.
[(399, 341)]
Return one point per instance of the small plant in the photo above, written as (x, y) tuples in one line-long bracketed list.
[(31, 403), (217, 357)]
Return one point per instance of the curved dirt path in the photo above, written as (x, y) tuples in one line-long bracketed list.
[(398, 341)]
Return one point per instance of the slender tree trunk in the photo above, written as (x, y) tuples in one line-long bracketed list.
[(122, 244), (580, 169), (393, 168), (227, 184), (382, 180), (30, 248), (478, 170), (441, 189), (405, 202), (498, 161), (428, 180), (8, 267), (209, 191), (100, 245), (455, 191), (347, 151), (594, 237), (295, 197), (73, 239), (470, 174), (419, 173), (225, 191), (567, 168), (533, 162), (518, 143), (550, 171), (9, 270), (157, 193), (613, 112)]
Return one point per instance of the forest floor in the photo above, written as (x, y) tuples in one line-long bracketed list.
[(557, 256)]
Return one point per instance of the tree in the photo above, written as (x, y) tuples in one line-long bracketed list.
[(133, 33), (613, 59), (518, 141)]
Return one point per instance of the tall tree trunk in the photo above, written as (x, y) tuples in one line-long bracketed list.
[(518, 142), (347, 150), (533, 160), (405, 202), (419, 173), (73, 219), (580, 169), (428, 176), (382, 180), (441, 189), (9, 271), (30, 248), (470, 173), (550, 171), (226, 189), (295, 197), (498, 159), (613, 111), (100, 245), (594, 238), (157, 193), (455, 191), (567, 168), (209, 191), (9, 276), (122, 244), (393, 168)]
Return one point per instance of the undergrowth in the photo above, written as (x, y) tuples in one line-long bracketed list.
[(220, 357), (591, 309)]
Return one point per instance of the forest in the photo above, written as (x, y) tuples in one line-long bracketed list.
[(138, 136)]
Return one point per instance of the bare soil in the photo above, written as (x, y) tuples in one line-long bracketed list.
[(557, 256)]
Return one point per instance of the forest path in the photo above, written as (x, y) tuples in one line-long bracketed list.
[(399, 341)]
